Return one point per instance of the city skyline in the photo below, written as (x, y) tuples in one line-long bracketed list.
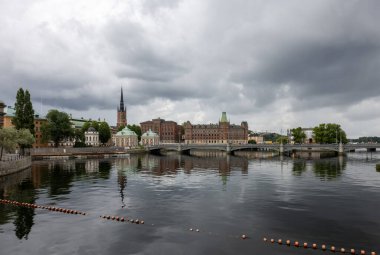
[(275, 65)]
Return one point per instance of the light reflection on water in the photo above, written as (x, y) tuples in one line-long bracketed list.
[(332, 201)]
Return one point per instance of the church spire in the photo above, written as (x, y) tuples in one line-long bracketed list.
[(121, 108)]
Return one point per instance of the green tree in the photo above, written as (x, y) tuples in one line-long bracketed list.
[(282, 139), (120, 128), (24, 139), (11, 137), (24, 113), (252, 142), (329, 133), (86, 126), (104, 132), (298, 135), (7, 140), (57, 127), (136, 129)]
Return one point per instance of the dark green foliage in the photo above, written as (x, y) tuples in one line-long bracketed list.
[(104, 132), (329, 133), (273, 137), (24, 113), (367, 139), (79, 136), (120, 128), (79, 144), (378, 167), (57, 127), (252, 142), (298, 135), (282, 139), (136, 129)]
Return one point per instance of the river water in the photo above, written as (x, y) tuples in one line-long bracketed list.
[(334, 201)]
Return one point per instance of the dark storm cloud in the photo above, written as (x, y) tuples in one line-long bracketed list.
[(243, 57)]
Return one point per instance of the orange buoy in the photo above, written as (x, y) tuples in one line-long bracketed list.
[(342, 250), (288, 242), (243, 236), (142, 222), (296, 244), (373, 253), (272, 240), (122, 219), (352, 251), (304, 245), (323, 247), (362, 252), (314, 246), (197, 230), (332, 248), (279, 241), (264, 239), (191, 229)]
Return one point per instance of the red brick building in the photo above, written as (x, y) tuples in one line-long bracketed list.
[(168, 130), (223, 132)]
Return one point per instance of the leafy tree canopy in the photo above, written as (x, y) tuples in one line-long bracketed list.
[(24, 113), (104, 132), (57, 127), (329, 133), (11, 137), (298, 135), (136, 129)]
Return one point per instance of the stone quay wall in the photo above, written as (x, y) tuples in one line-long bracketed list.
[(13, 166)]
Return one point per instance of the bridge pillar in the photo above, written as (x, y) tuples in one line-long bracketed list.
[(179, 149), (281, 149), (340, 149), (228, 149)]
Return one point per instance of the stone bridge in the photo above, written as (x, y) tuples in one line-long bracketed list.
[(281, 148)]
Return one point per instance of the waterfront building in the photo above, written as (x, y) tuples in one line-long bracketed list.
[(91, 137), (259, 139), (150, 138), (121, 112), (223, 132), (168, 131), (309, 135), (125, 138), (9, 114)]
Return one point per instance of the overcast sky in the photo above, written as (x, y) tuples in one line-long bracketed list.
[(275, 64)]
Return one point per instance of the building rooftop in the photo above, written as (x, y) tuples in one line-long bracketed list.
[(125, 131), (149, 133)]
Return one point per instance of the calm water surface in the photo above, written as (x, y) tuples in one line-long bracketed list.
[(335, 201)]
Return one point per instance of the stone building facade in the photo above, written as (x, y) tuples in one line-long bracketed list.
[(91, 137), (168, 131), (223, 132)]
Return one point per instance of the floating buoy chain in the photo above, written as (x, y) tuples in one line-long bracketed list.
[(314, 246), (50, 208), (122, 219)]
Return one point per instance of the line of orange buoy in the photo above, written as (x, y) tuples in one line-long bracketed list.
[(314, 246), (50, 208), (122, 219)]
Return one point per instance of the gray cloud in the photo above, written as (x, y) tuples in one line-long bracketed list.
[(257, 60)]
